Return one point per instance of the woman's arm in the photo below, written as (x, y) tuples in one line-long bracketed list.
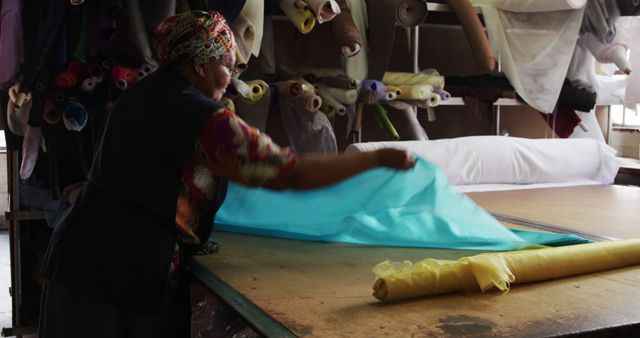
[(315, 171)]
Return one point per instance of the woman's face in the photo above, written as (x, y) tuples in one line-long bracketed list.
[(217, 75)]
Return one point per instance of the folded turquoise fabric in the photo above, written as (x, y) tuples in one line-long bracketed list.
[(414, 208)]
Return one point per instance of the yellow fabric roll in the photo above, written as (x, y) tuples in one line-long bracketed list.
[(415, 92), (484, 271), (256, 89), (394, 89), (433, 100), (300, 16), (433, 79)]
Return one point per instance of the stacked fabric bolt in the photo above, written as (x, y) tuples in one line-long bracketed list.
[(304, 13), (308, 129)]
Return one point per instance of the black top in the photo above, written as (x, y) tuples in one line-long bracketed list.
[(118, 238)]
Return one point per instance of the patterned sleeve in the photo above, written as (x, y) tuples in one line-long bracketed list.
[(233, 149)]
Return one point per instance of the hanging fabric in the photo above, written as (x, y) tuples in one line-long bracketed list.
[(248, 28), (11, 42)]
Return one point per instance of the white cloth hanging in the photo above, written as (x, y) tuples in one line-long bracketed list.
[(534, 50)]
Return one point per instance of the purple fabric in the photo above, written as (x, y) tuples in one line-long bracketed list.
[(375, 86), (444, 95), (11, 42)]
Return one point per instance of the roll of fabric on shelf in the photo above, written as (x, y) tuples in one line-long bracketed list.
[(299, 13), (384, 15), (345, 31), (255, 112), (248, 28), (396, 281), (325, 10), (308, 129)]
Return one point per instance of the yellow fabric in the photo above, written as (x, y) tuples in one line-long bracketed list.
[(415, 92), (434, 79), (484, 271), (256, 89), (300, 16)]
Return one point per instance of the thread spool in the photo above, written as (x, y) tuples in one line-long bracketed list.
[(88, 84)]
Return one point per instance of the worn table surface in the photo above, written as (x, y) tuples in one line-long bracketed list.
[(310, 289), (608, 211)]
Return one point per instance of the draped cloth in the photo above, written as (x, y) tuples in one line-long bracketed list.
[(414, 208), (535, 50)]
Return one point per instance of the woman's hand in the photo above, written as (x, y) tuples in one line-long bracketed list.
[(395, 158)]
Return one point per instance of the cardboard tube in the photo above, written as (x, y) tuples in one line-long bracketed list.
[(289, 88)]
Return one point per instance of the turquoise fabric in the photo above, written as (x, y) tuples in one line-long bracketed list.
[(414, 208)]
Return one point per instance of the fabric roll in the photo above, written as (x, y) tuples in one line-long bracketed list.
[(343, 82), (383, 119), (500, 270), (51, 113), (345, 31), (255, 113), (474, 31), (433, 100), (383, 16), (257, 89), (75, 117), (17, 117), (357, 66), (308, 130), (138, 32), (390, 96), (325, 10), (415, 92), (524, 6), (330, 100), (613, 52), (343, 96), (302, 18), (410, 13), (30, 151), (34, 77), (375, 86), (383, 207), (444, 95), (427, 76), (248, 28), (11, 42), (288, 88), (395, 90)]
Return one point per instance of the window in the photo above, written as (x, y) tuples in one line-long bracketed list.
[(625, 118)]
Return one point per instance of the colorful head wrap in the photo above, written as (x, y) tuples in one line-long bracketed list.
[(196, 35)]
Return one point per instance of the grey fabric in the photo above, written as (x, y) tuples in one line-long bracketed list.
[(600, 18)]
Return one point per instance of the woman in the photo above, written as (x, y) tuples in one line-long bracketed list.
[(167, 149)]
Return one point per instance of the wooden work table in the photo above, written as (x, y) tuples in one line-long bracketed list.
[(604, 211), (287, 287)]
